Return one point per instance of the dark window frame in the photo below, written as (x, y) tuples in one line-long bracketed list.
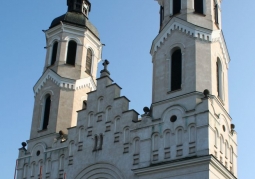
[(89, 61), (199, 6), (71, 53), (176, 7), (176, 70), (46, 112), (54, 53)]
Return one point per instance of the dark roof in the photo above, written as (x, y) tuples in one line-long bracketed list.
[(77, 19)]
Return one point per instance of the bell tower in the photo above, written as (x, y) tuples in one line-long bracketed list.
[(73, 51), (190, 84)]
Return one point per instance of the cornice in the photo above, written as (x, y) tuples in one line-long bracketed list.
[(63, 82), (176, 24)]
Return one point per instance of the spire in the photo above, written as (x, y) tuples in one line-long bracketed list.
[(80, 6)]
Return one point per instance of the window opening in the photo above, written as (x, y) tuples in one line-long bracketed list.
[(199, 6), (71, 53), (46, 115), (101, 142), (54, 53), (216, 14), (161, 15), (176, 6), (176, 70), (96, 143), (89, 61), (84, 104)]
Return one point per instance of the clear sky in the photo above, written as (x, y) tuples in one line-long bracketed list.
[(127, 28)]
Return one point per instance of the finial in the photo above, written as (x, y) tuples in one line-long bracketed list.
[(105, 72)]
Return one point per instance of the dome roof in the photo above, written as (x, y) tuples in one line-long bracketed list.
[(77, 19)]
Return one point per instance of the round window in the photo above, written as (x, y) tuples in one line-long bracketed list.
[(173, 118)]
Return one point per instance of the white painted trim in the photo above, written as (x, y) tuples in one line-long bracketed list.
[(192, 30), (63, 82)]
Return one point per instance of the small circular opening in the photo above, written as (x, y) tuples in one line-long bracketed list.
[(38, 153), (224, 128), (173, 118)]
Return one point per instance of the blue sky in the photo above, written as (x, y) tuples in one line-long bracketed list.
[(127, 28)]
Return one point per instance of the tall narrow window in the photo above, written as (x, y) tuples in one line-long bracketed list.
[(96, 143), (89, 61), (90, 120), (101, 142), (219, 78), (107, 114), (199, 6), (126, 135), (46, 112), (161, 15), (84, 104), (48, 166), (54, 53), (179, 137), (216, 138), (71, 53), (116, 124), (176, 70), (137, 146), (33, 169), (62, 162), (25, 171), (176, 6), (167, 139), (216, 14), (155, 142), (192, 135)]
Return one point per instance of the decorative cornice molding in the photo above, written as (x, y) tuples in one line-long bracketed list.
[(64, 82), (176, 24)]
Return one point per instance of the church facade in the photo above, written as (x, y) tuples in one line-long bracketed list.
[(82, 128)]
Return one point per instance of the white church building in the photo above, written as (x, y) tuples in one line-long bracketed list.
[(82, 128)]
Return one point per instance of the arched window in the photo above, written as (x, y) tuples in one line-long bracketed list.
[(33, 169), (231, 154), (81, 134), (61, 162), (46, 112), (71, 148), (176, 70), (176, 6), (25, 171), (216, 138), (54, 53), (99, 104), (226, 149), (107, 114), (71, 53), (137, 146), (162, 14), (90, 120), (40, 168), (221, 144), (116, 124), (89, 61), (216, 13), (84, 104), (199, 6), (96, 143), (179, 137), (167, 139), (155, 142), (48, 166), (192, 134), (219, 78), (101, 142), (126, 135)]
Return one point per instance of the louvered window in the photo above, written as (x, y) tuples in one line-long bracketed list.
[(89, 61)]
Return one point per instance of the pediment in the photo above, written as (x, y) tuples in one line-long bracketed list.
[(63, 82), (176, 24)]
